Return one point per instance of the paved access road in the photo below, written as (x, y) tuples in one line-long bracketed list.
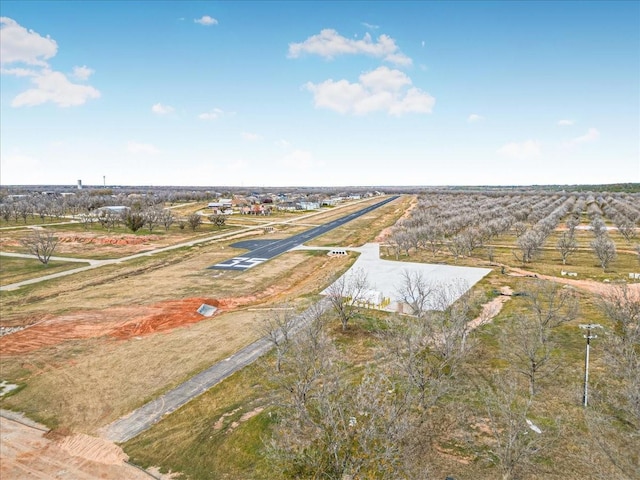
[(272, 249), (151, 413)]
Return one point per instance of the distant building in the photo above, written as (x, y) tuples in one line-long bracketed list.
[(112, 209), (309, 205)]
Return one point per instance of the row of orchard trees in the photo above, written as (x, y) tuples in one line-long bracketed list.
[(93, 208), (34, 205), (428, 388), (38, 206), (461, 223)]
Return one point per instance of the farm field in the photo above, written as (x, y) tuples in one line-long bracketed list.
[(103, 342)]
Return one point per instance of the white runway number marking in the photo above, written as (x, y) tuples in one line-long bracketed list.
[(241, 263)]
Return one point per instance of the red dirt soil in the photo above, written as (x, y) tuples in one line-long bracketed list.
[(118, 322), (107, 239)]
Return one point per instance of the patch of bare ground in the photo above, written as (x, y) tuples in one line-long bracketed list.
[(88, 244), (230, 427), (30, 453), (491, 308), (87, 367), (119, 322), (598, 288)]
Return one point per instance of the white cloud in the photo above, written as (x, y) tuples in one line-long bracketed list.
[(370, 26), (422, 43), (17, 44), (591, 136), (211, 115), (298, 159), (329, 44), (521, 151), (382, 89), (565, 123), (147, 148), (54, 87), (19, 72), (206, 20), (474, 117), (83, 72), (251, 137), (160, 109)]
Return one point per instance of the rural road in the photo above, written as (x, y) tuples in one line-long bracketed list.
[(151, 413)]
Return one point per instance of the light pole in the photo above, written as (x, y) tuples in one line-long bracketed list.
[(588, 327)]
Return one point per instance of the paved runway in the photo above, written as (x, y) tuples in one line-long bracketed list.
[(266, 250)]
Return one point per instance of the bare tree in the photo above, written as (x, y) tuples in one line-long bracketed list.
[(531, 347), (566, 245), (457, 246), (550, 304), (519, 228), (108, 219), (447, 323), (431, 233), (277, 327), (43, 208), (598, 226), (427, 353), (334, 427), (529, 244), (628, 230), (194, 220), (86, 219), (415, 291), (472, 239), (530, 350), (604, 249), (347, 292), (5, 212), (491, 254), (572, 223), (516, 439), (167, 219), (41, 244), (22, 209), (152, 216), (615, 399)]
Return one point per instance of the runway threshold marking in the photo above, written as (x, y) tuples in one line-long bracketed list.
[(241, 263)]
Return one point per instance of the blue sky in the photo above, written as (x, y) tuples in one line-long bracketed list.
[(320, 94)]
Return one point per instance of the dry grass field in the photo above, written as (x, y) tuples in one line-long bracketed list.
[(76, 364), (103, 342)]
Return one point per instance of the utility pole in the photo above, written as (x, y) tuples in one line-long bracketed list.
[(588, 327)]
